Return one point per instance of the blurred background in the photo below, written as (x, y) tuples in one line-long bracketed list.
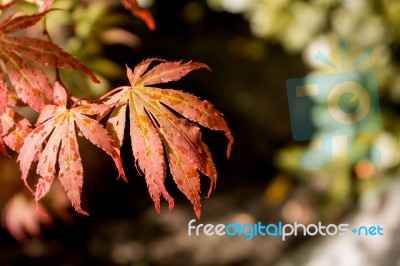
[(253, 47)]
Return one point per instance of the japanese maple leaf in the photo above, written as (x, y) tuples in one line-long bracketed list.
[(141, 13), (154, 127), (13, 127), (57, 123), (17, 53), (13, 130)]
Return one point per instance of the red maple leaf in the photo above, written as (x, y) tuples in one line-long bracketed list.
[(141, 13), (30, 83), (57, 124), (154, 127), (14, 129)]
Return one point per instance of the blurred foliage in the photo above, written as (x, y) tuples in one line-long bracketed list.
[(306, 27)]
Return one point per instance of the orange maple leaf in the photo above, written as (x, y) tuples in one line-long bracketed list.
[(154, 127)]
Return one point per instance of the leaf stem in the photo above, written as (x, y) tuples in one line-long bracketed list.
[(46, 33)]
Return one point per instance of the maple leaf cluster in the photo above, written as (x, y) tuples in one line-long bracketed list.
[(159, 138)]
